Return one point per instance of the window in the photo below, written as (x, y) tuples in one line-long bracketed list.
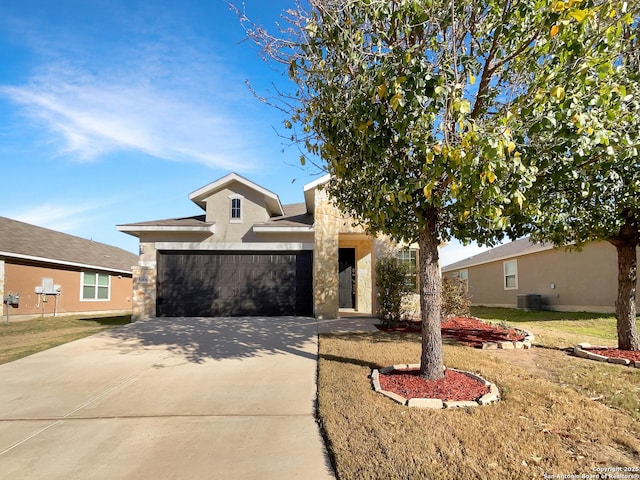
[(510, 275), (95, 286), (236, 209), (408, 256), (463, 278)]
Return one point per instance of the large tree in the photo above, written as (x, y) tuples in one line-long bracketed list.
[(583, 124), (409, 103)]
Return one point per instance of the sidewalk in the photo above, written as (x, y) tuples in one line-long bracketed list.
[(352, 323)]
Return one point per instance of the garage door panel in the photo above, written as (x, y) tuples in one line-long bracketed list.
[(226, 284)]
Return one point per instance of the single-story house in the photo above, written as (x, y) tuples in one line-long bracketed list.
[(248, 254), (538, 275), (44, 272)]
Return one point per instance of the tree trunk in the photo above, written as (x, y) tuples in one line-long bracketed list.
[(626, 302), (431, 365)]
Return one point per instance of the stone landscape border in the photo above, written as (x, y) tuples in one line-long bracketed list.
[(526, 343), (582, 350), (434, 403)]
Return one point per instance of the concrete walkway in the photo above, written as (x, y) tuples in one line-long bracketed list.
[(188, 398)]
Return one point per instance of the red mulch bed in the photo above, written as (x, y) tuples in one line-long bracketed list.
[(473, 332), (468, 331), (455, 386), (615, 353)]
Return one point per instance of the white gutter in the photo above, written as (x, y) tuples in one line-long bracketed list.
[(244, 247), (62, 262), (164, 228), (274, 229)]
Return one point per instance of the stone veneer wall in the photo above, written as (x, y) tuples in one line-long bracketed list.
[(325, 258), (144, 283), (2, 305), (366, 287)]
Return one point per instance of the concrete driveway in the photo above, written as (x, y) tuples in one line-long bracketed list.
[(171, 398)]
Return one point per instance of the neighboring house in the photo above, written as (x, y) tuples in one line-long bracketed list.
[(516, 273), (250, 255), (53, 273)]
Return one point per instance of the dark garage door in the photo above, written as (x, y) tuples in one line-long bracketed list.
[(233, 284)]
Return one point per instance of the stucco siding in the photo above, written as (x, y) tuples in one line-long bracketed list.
[(23, 278), (254, 210)]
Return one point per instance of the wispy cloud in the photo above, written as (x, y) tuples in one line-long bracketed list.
[(166, 99), (96, 117), (64, 218)]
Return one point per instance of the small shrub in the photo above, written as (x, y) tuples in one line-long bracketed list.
[(455, 302), (392, 288)]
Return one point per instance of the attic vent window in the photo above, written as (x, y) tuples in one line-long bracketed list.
[(236, 209)]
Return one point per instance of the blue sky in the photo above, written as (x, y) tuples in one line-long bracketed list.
[(112, 112)]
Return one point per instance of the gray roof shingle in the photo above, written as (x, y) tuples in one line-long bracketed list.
[(195, 221), (23, 239), (295, 215), (513, 249)]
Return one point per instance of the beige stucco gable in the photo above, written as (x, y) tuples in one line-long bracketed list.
[(256, 205)]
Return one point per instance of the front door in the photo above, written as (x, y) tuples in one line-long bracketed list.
[(347, 277)]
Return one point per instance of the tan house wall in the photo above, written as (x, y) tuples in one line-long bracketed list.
[(254, 210), (23, 278), (325, 258), (567, 280)]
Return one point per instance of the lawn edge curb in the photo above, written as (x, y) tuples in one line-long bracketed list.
[(526, 343), (582, 351)]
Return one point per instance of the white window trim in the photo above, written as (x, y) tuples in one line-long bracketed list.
[(82, 299), (236, 197), (464, 282), (415, 274), (504, 274)]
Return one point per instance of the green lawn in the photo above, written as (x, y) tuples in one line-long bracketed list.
[(598, 327), (22, 338)]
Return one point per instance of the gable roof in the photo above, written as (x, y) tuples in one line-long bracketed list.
[(272, 200), (513, 249), (29, 242)]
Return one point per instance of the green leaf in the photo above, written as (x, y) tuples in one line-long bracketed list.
[(558, 92), (580, 15)]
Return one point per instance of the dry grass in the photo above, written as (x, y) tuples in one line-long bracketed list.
[(540, 427), (23, 338)]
